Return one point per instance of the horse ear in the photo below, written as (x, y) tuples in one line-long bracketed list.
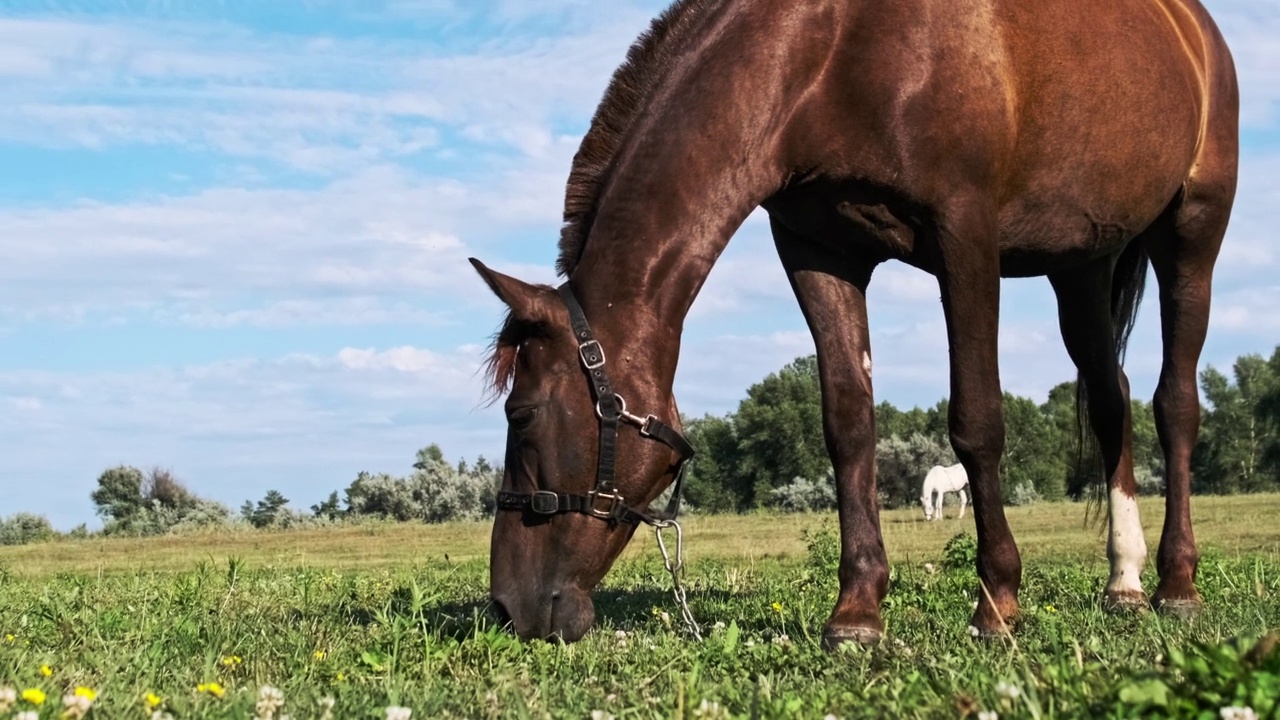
[(526, 301)]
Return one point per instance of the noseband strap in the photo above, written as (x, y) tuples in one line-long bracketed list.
[(604, 501)]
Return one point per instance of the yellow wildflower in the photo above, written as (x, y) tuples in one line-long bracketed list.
[(212, 688), (1050, 609), (777, 606), (232, 660), (87, 693), (318, 655), (9, 638), (152, 700), (46, 671), (340, 677), (35, 696)]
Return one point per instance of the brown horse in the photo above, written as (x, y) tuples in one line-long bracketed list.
[(973, 139)]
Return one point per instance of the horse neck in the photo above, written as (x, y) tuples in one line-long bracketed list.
[(686, 177)]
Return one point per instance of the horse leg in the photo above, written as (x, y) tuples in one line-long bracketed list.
[(1085, 319), (963, 501), (969, 278), (831, 289), (1183, 259)]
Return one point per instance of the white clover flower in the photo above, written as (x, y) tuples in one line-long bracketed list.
[(77, 706), (929, 568), (270, 700), (620, 634), (988, 715), (8, 696), (1008, 690), (326, 705), (601, 715), (781, 639), (27, 715), (1237, 713), (718, 626), (973, 630), (711, 710), (831, 716), (161, 715), (396, 712)]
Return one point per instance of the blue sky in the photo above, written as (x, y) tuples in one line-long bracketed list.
[(233, 238)]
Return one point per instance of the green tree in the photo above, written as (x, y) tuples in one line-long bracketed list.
[(270, 509), (711, 482), (1029, 461), (1267, 412), (1235, 435), (428, 457), (119, 493), (779, 429), (330, 508)]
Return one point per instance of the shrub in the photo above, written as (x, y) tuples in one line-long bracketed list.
[(25, 528), (960, 552), (804, 495)]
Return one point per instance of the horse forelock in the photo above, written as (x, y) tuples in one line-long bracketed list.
[(500, 365), (632, 83)]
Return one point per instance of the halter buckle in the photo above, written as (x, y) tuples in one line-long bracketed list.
[(544, 502), (606, 511), (592, 354)]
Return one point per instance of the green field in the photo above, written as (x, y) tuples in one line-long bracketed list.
[(392, 615)]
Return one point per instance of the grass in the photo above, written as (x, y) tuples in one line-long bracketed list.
[(376, 616)]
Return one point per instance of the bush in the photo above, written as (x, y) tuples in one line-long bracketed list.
[(803, 495), (1024, 494), (436, 491), (25, 528), (960, 552)]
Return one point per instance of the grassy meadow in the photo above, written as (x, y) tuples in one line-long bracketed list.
[(356, 621)]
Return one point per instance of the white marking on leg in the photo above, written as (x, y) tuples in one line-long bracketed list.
[(1126, 547), (866, 363)]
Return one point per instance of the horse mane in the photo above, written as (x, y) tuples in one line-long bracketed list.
[(631, 85)]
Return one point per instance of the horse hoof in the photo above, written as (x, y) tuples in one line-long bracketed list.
[(835, 638), (999, 633), (1182, 608), (1125, 602)]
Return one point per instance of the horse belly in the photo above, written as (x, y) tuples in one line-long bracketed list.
[(1108, 125)]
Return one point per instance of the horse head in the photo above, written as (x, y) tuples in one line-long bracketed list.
[(569, 503)]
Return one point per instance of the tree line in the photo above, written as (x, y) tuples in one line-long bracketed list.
[(769, 453), (771, 450)]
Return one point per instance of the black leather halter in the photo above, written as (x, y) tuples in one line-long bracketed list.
[(604, 502)]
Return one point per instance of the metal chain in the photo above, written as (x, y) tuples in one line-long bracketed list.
[(676, 568)]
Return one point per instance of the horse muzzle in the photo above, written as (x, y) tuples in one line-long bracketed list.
[(564, 614)]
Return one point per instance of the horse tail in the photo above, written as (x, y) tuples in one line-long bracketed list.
[(1128, 283)]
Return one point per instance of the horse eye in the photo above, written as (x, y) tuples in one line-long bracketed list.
[(522, 417)]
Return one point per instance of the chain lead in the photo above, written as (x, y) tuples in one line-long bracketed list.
[(675, 566)]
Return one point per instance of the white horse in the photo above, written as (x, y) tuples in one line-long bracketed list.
[(940, 481)]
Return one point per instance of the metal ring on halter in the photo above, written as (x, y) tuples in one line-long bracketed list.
[(622, 407)]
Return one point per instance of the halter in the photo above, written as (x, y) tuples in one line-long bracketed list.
[(603, 501)]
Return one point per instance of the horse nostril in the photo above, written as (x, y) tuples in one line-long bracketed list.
[(500, 610), (555, 595)]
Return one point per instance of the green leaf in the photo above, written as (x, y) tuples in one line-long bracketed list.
[(1151, 692), (731, 635), (376, 660)]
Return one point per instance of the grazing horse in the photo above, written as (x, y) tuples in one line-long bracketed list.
[(1075, 139), (937, 483)]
